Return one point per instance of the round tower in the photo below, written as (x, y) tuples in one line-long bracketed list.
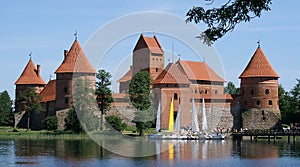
[(259, 93)]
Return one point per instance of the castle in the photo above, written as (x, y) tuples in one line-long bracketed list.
[(256, 107)]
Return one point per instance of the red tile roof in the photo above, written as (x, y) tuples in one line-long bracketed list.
[(127, 76), (49, 92), (171, 75), (75, 61), (30, 75), (151, 43), (199, 71), (259, 66)]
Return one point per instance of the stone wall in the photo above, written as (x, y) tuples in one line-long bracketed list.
[(217, 117), (125, 113), (260, 119)]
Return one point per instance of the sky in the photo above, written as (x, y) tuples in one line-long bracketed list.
[(46, 29)]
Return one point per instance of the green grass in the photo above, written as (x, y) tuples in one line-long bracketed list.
[(9, 132)]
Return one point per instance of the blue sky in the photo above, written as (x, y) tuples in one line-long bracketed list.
[(46, 28)]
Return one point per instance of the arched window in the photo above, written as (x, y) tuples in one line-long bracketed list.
[(270, 102), (267, 91), (257, 102), (175, 96), (205, 91), (252, 91)]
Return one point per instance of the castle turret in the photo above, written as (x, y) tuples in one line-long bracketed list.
[(74, 65), (30, 78), (259, 93)]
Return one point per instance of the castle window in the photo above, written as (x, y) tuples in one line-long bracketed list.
[(206, 91), (267, 91), (252, 91), (243, 92), (270, 102), (156, 69), (216, 92), (258, 102), (175, 96), (245, 102), (65, 90), (66, 100), (195, 91)]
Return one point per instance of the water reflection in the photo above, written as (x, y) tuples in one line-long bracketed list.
[(49, 152)]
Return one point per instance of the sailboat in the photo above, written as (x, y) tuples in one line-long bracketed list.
[(195, 125), (177, 121), (157, 127)]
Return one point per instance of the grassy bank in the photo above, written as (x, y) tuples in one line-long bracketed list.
[(9, 132)]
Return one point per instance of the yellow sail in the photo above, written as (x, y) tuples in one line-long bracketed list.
[(171, 118)]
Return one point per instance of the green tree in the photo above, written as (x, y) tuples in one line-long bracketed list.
[(31, 101), (295, 101), (103, 93), (139, 94), (51, 123), (85, 104), (221, 20), (116, 123), (231, 89), (284, 105), (6, 114), (72, 122)]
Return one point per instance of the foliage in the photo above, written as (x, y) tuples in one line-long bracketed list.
[(224, 19), (116, 123), (231, 89), (85, 104), (139, 94), (289, 104), (139, 90), (51, 123), (295, 101), (72, 122), (103, 92), (31, 101), (6, 114)]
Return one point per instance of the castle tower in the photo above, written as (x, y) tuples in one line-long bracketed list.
[(259, 93), (74, 65), (148, 55), (30, 78)]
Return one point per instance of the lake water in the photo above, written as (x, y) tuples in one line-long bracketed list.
[(85, 152)]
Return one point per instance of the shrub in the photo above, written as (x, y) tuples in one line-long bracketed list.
[(51, 123), (116, 123)]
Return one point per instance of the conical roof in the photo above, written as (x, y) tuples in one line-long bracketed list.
[(259, 66), (75, 61), (49, 92), (30, 75), (171, 75)]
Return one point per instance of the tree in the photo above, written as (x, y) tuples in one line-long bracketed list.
[(295, 101), (284, 105), (231, 89), (139, 92), (72, 122), (6, 114), (85, 104), (103, 92), (31, 101), (116, 123), (221, 20)]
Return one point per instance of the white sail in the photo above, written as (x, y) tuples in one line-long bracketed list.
[(177, 121), (204, 121), (157, 128), (195, 125)]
